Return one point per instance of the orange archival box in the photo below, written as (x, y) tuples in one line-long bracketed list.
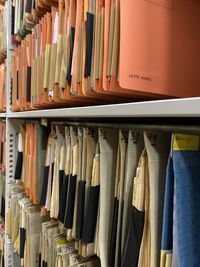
[(159, 47)]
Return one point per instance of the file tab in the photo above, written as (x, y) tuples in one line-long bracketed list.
[(186, 142)]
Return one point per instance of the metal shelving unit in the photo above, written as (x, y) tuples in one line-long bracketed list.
[(176, 108), (173, 108), (186, 107), (10, 145)]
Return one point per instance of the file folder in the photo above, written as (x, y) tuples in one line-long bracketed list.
[(167, 229), (51, 171), (45, 94), (92, 204), (108, 140), (30, 161), (115, 249), (71, 195), (90, 137), (46, 172), (156, 144), (81, 183), (65, 181), (134, 149), (19, 163), (138, 214), (59, 145), (185, 150), (157, 38)]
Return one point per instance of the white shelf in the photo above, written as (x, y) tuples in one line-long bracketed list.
[(3, 115), (186, 107)]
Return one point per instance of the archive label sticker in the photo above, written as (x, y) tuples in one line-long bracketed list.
[(186, 142)]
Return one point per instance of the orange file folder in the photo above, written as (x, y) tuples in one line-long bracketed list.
[(159, 47)]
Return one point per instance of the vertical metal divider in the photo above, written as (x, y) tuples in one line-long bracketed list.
[(12, 128), (10, 160), (8, 252), (10, 141)]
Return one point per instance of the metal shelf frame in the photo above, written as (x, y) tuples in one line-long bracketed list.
[(185, 107), (173, 108), (3, 115)]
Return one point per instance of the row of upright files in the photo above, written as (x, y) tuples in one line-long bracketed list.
[(72, 53), (128, 197), (39, 241)]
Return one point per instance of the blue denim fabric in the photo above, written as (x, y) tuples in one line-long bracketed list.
[(186, 166), (167, 231)]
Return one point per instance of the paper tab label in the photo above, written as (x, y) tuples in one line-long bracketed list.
[(186, 142), (135, 137)]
